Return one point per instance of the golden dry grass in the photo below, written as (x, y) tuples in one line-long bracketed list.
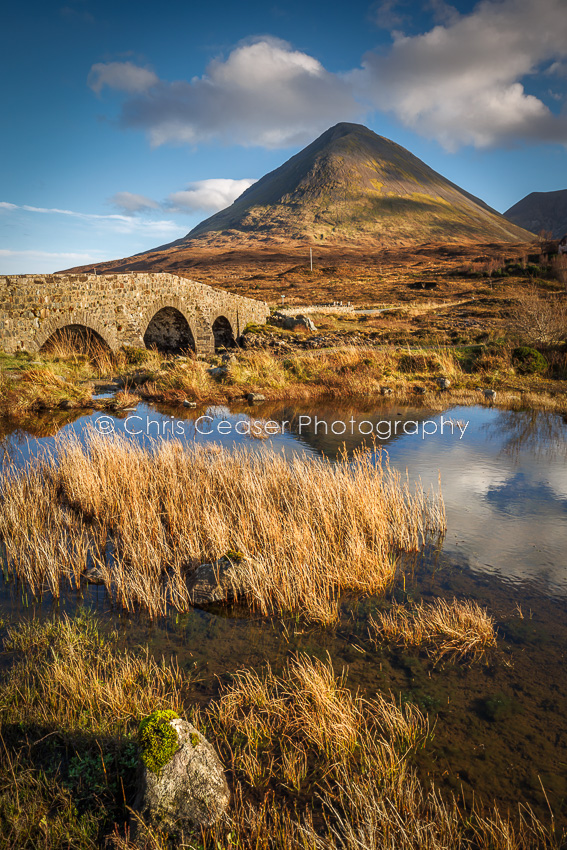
[(82, 349), (315, 766), (307, 528), (355, 372), (40, 388), (69, 676), (306, 729), (312, 764), (188, 378), (447, 629)]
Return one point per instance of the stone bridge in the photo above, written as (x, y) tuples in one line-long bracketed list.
[(153, 310)]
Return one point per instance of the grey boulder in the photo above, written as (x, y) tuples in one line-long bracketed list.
[(191, 789), (216, 582)]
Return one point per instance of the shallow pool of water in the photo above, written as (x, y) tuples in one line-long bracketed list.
[(503, 474), (500, 729)]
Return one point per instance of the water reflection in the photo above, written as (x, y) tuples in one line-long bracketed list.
[(531, 431)]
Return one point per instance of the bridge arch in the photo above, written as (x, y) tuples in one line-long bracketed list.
[(81, 326), (168, 327), (223, 332)]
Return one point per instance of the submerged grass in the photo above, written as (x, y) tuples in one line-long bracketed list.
[(315, 766), (305, 730), (306, 529), (454, 630)]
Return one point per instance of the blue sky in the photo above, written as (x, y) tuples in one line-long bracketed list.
[(126, 124)]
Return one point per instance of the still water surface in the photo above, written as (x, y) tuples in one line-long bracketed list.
[(500, 726)]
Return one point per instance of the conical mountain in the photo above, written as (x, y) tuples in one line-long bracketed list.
[(349, 189), (351, 186)]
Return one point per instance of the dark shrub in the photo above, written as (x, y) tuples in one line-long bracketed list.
[(528, 361)]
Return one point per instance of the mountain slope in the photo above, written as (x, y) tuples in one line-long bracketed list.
[(351, 186), (541, 211), (350, 189)]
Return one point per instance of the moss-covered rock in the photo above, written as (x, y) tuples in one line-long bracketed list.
[(191, 786), (158, 739)]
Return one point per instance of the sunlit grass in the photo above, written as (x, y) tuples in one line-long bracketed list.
[(307, 528), (453, 629)]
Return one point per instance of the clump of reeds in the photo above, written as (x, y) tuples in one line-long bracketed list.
[(40, 388), (307, 729), (122, 400), (447, 629), (187, 378), (71, 676), (307, 528)]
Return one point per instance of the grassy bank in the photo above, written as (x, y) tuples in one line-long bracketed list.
[(70, 703), (311, 763), (521, 376), (364, 373), (297, 533)]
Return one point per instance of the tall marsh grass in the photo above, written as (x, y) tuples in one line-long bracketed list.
[(40, 388), (307, 529)]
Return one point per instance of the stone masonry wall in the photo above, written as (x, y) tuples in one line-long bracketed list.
[(119, 307)]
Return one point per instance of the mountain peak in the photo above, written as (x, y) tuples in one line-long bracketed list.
[(352, 187)]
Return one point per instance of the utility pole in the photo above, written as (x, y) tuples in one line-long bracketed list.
[(311, 257)]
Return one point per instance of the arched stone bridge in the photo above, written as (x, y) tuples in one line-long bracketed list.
[(161, 310)]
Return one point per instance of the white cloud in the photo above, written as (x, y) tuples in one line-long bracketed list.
[(44, 262), (126, 224), (208, 195), (558, 69), (130, 203), (122, 76), (264, 93), (461, 83), (51, 255)]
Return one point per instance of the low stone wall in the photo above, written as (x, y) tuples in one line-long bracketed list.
[(117, 307)]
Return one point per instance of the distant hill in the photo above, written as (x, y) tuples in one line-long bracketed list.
[(349, 188), (541, 211)]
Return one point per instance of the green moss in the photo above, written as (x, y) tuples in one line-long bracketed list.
[(195, 739), (158, 739)]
